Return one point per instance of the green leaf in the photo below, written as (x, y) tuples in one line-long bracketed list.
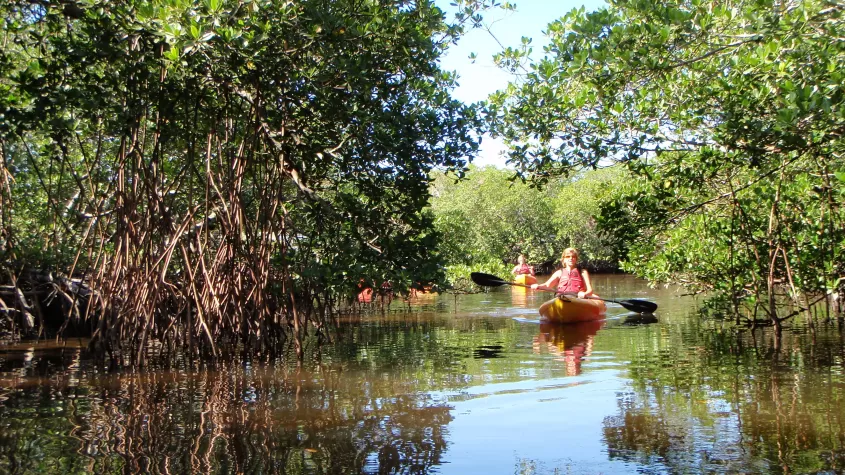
[(172, 54)]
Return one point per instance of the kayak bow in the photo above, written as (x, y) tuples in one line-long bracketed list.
[(568, 309)]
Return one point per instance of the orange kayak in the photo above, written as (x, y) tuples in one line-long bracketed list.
[(525, 279), (572, 309)]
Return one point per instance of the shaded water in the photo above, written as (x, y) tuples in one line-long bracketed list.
[(473, 384)]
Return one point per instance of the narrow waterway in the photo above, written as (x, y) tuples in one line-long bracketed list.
[(455, 385)]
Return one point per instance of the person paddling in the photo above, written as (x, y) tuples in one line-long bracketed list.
[(569, 279), (521, 267)]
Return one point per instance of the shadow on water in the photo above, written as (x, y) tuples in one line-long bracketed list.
[(639, 319), (488, 351)]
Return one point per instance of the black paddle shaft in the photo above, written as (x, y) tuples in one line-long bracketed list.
[(634, 305)]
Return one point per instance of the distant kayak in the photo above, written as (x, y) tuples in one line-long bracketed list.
[(565, 309), (525, 279)]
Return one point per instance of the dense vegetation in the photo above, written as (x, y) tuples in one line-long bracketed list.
[(730, 116), (488, 219), (198, 173)]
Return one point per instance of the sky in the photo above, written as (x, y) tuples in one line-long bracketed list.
[(480, 78)]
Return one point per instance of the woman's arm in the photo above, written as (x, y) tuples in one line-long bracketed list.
[(586, 293), (550, 284)]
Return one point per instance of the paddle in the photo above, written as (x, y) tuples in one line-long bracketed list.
[(634, 305)]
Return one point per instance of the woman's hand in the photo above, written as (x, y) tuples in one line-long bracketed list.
[(581, 294), (534, 286)]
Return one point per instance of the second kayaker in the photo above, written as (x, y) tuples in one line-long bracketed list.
[(521, 267)]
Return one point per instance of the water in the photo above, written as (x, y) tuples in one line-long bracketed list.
[(473, 384)]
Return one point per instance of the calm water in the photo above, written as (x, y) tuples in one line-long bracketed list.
[(468, 385)]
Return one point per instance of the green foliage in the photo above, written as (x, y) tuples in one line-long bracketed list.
[(491, 218), (458, 275), (488, 217), (577, 203), (730, 118), (227, 155)]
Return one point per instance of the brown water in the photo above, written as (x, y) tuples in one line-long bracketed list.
[(468, 385)]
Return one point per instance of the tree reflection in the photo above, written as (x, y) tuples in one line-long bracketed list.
[(236, 419), (640, 436), (734, 403)]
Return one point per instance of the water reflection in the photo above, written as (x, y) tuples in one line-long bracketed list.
[(235, 419), (519, 296), (570, 343), (461, 383), (734, 403)]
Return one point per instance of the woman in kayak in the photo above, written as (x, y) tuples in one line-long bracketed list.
[(521, 267), (569, 279)]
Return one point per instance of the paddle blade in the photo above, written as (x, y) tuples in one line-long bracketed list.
[(487, 280), (639, 306)]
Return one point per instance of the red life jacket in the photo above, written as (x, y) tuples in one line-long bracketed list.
[(571, 282), (523, 269)]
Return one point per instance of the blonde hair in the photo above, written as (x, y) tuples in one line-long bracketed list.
[(569, 250)]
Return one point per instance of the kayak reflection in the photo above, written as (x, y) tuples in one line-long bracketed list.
[(571, 343), (519, 297)]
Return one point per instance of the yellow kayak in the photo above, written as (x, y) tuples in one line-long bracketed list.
[(572, 309), (525, 279)]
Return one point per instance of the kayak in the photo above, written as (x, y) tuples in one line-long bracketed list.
[(572, 309), (525, 279)]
